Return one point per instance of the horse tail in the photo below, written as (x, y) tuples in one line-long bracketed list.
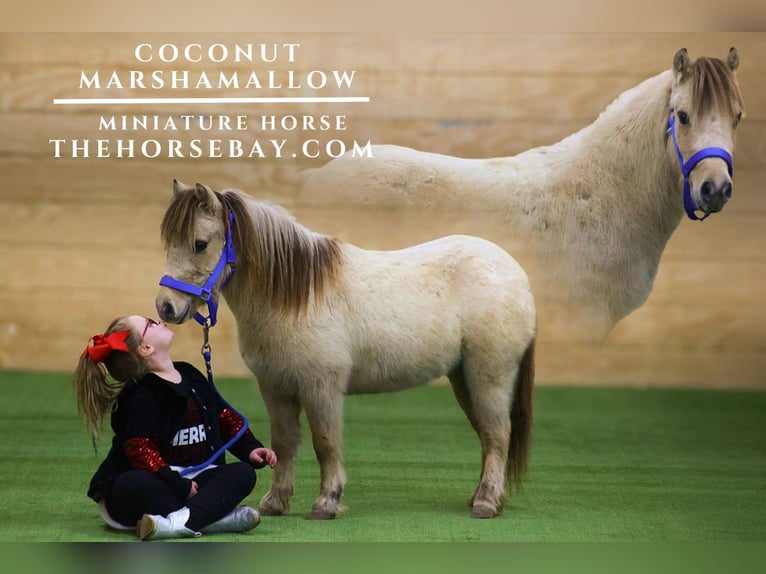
[(521, 419)]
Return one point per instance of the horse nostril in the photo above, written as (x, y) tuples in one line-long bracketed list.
[(166, 311), (707, 189), (726, 189)]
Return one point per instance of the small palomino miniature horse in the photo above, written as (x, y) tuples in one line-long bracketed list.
[(318, 319), (588, 217)]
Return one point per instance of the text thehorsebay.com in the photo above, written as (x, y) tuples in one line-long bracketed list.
[(199, 82)]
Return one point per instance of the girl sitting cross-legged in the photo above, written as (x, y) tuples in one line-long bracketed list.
[(166, 418)]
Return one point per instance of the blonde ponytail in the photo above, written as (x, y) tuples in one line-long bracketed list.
[(97, 385)]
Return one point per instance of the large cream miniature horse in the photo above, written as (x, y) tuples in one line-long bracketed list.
[(587, 217), (318, 319)]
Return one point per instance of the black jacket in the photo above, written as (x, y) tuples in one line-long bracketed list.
[(157, 424)]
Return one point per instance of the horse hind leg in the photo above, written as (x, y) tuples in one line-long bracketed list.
[(463, 396), (285, 438), (490, 395), (324, 411)]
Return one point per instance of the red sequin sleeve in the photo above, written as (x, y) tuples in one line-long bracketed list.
[(230, 422), (144, 454)]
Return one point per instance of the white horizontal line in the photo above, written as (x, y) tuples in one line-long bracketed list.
[(286, 100)]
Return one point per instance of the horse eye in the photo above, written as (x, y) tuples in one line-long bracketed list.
[(737, 119), (683, 117), (200, 246)]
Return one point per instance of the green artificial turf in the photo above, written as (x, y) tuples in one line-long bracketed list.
[(607, 465)]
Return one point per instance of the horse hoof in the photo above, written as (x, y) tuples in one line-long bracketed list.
[(321, 515), (481, 511), (270, 511)]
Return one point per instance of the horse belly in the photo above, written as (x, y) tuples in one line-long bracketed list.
[(404, 366), (363, 383)]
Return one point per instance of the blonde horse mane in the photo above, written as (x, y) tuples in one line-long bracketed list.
[(286, 265), (714, 85)]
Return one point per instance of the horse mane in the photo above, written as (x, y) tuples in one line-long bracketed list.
[(714, 85), (286, 264)]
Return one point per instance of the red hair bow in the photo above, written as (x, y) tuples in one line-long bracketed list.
[(103, 346)]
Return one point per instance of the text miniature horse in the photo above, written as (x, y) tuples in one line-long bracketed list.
[(318, 319), (589, 216)]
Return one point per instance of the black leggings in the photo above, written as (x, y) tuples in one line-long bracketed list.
[(221, 489)]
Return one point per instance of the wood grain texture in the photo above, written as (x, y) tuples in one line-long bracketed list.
[(79, 238), (28, 134)]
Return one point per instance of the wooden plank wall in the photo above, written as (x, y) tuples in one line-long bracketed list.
[(79, 238)]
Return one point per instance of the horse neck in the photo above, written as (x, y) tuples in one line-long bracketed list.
[(627, 146), (600, 205)]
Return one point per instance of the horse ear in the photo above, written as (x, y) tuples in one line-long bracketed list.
[(179, 187), (733, 59), (206, 196), (681, 63)]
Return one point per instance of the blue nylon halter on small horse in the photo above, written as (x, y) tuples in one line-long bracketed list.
[(228, 257), (690, 205)]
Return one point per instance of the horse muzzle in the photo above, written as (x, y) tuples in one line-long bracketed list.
[(712, 196), (170, 311)]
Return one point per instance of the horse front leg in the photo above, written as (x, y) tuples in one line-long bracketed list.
[(285, 438), (324, 411)]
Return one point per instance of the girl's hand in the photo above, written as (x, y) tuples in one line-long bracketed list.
[(262, 456), (193, 490)]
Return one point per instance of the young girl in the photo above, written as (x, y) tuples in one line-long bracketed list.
[(166, 417)]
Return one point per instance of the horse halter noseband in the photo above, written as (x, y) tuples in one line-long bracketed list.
[(228, 257), (690, 206)]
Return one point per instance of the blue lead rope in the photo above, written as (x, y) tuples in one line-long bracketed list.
[(228, 258), (206, 354)]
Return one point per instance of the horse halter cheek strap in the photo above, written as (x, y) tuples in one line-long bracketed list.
[(690, 206), (228, 257)]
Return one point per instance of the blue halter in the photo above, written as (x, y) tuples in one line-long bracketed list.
[(690, 206), (228, 257)]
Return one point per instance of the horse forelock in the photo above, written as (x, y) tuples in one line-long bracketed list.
[(714, 86), (288, 265), (179, 219)]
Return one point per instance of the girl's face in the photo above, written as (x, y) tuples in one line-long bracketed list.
[(154, 333)]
